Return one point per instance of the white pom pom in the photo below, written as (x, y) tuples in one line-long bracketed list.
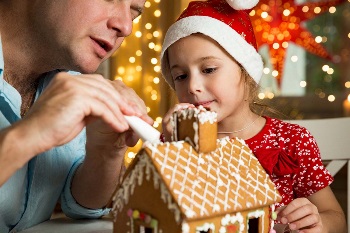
[(242, 4)]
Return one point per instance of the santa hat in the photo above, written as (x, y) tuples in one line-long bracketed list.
[(225, 21)]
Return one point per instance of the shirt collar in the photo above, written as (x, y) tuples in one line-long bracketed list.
[(1, 56), (1, 65)]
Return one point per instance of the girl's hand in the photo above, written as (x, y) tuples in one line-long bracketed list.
[(301, 215), (166, 123)]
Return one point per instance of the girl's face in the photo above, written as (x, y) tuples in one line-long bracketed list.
[(205, 74)]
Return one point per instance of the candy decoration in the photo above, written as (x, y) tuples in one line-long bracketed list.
[(274, 215), (136, 214), (129, 212)]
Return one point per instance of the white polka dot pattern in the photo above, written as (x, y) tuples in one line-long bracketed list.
[(305, 173)]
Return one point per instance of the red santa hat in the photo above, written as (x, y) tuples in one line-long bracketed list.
[(225, 21)]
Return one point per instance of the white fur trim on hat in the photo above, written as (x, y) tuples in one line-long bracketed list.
[(242, 4), (229, 39)]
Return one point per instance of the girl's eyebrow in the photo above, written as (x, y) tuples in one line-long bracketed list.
[(201, 59)]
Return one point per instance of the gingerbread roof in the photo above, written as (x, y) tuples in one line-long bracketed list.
[(229, 179)]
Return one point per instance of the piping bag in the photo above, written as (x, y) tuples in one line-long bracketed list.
[(145, 131)]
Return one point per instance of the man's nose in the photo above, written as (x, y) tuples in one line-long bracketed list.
[(120, 20)]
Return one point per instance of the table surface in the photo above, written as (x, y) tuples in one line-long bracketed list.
[(68, 225)]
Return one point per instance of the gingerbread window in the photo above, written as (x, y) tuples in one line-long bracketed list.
[(142, 222)]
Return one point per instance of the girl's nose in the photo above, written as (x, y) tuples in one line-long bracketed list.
[(194, 85)]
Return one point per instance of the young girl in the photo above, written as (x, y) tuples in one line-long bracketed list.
[(210, 58)]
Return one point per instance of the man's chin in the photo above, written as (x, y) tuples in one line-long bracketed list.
[(88, 68)]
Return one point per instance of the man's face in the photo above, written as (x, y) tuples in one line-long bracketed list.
[(80, 34)]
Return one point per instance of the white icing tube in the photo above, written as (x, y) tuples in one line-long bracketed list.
[(145, 131)]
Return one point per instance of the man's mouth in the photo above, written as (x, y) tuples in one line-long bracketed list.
[(104, 44)]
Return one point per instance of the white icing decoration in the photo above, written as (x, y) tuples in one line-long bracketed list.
[(206, 227), (232, 219), (257, 214), (219, 179), (196, 136), (185, 228), (144, 165)]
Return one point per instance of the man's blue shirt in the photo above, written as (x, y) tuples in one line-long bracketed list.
[(30, 195)]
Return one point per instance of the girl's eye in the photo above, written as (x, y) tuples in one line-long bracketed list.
[(209, 70), (180, 77)]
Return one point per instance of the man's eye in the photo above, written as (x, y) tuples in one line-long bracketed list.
[(209, 70)]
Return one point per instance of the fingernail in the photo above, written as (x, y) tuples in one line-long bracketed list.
[(284, 220), (292, 226)]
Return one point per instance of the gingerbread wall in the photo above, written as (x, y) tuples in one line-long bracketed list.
[(146, 199)]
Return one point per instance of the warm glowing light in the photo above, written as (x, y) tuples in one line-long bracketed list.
[(148, 109), (261, 96), (325, 68), (347, 84), (266, 70), (330, 71), (318, 39), (159, 119), (138, 53), (270, 95), (252, 13), (137, 20), (275, 45), (138, 68), (130, 78), (156, 34), (264, 15), (332, 10), (303, 83), (275, 73), (121, 70), (138, 34), (157, 13), (305, 9), (151, 45), (286, 12), (279, 22), (155, 124), (294, 58), (132, 59), (131, 155), (157, 69), (317, 10), (147, 4), (154, 61), (157, 48), (156, 80), (148, 26), (154, 97), (331, 98)]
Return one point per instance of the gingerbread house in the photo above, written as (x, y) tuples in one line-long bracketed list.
[(195, 184)]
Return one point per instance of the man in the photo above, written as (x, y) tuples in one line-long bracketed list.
[(69, 145)]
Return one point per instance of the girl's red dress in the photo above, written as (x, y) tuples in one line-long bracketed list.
[(290, 155)]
